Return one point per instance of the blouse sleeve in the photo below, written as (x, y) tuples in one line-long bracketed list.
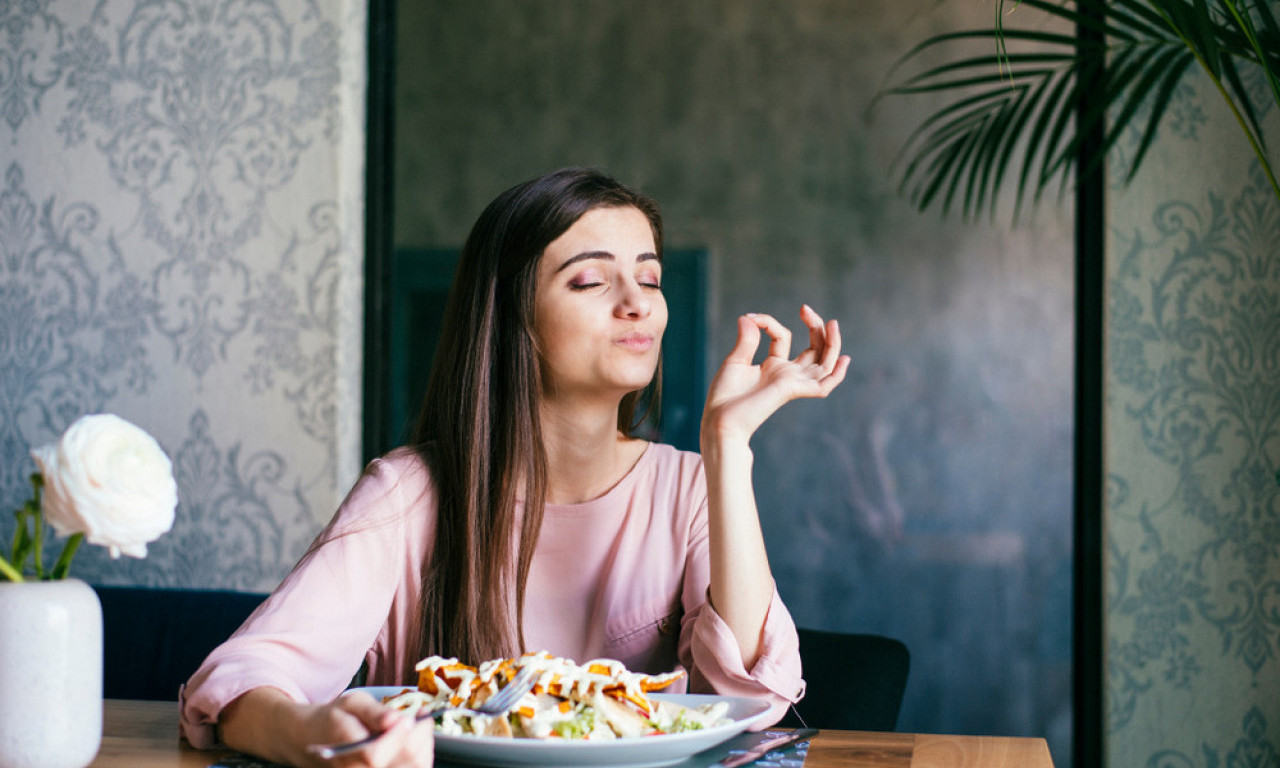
[(709, 650), (311, 634)]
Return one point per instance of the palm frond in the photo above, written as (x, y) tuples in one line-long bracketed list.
[(1029, 106)]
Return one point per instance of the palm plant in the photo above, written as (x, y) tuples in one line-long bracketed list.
[(1119, 72)]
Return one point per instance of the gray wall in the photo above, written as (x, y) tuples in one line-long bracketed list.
[(930, 498)]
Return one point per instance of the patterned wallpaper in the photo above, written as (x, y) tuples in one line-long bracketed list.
[(1193, 440), (181, 231)]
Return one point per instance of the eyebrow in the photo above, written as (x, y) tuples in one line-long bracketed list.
[(603, 255)]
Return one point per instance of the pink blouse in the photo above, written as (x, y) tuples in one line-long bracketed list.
[(623, 576)]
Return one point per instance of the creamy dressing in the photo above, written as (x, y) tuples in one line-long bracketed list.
[(595, 700)]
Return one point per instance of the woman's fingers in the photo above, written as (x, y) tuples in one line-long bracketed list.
[(398, 742), (748, 342), (397, 748), (833, 379), (821, 364), (421, 744), (779, 334), (369, 711), (817, 332), (406, 745), (831, 352)]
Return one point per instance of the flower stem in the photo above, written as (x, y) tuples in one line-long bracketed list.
[(21, 539), (37, 549), (33, 509), (63, 565), (10, 573)]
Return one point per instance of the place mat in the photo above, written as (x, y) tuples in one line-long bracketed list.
[(790, 757), (244, 761)]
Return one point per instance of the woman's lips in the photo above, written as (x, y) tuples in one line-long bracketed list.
[(638, 342)]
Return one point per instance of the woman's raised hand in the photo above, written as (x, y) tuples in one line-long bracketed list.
[(744, 394)]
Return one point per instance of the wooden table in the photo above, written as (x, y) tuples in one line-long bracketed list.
[(144, 734)]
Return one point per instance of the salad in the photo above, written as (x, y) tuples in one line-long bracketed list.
[(600, 699)]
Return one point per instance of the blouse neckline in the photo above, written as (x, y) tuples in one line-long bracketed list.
[(621, 488)]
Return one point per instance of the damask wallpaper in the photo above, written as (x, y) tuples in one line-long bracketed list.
[(181, 232), (1193, 441)]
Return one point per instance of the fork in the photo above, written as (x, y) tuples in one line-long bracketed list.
[(497, 704)]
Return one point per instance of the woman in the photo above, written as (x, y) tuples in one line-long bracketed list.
[(525, 516)]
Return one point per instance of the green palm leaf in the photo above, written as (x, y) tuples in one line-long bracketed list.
[(1029, 107)]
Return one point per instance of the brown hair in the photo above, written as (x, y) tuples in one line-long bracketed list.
[(479, 431)]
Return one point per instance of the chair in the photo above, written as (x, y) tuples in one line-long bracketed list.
[(854, 681), (154, 639)]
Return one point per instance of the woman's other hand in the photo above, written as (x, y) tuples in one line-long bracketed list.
[(743, 394), (266, 723)]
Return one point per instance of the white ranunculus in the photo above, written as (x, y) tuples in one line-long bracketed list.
[(110, 480)]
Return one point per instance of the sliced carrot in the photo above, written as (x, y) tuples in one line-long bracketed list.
[(654, 684), (620, 693)]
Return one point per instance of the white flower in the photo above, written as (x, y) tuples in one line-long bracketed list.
[(110, 480)]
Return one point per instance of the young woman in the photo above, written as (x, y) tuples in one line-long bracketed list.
[(525, 515)]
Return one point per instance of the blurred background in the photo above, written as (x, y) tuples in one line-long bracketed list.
[(202, 222)]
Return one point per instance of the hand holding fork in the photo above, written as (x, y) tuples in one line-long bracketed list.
[(497, 704)]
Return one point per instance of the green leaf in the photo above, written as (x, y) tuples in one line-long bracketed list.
[(958, 117), (968, 82), (1266, 42), (1177, 67), (970, 174), (1241, 93), (1034, 107), (947, 141), (1139, 21), (989, 35), (940, 167), (982, 180), (1023, 110), (1057, 158), (1054, 101)]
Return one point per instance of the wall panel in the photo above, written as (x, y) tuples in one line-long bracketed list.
[(181, 222)]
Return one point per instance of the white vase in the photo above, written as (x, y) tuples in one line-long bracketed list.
[(50, 674)]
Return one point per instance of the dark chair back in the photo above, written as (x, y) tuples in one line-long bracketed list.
[(154, 639), (854, 682)]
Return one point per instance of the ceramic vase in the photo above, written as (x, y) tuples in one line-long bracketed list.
[(50, 674)]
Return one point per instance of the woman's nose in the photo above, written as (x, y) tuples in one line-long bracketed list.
[(632, 301)]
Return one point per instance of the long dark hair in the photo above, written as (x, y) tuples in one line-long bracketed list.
[(479, 428)]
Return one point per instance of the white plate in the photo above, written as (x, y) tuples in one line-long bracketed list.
[(645, 751)]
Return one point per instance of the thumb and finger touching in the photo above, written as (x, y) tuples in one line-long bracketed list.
[(745, 393)]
